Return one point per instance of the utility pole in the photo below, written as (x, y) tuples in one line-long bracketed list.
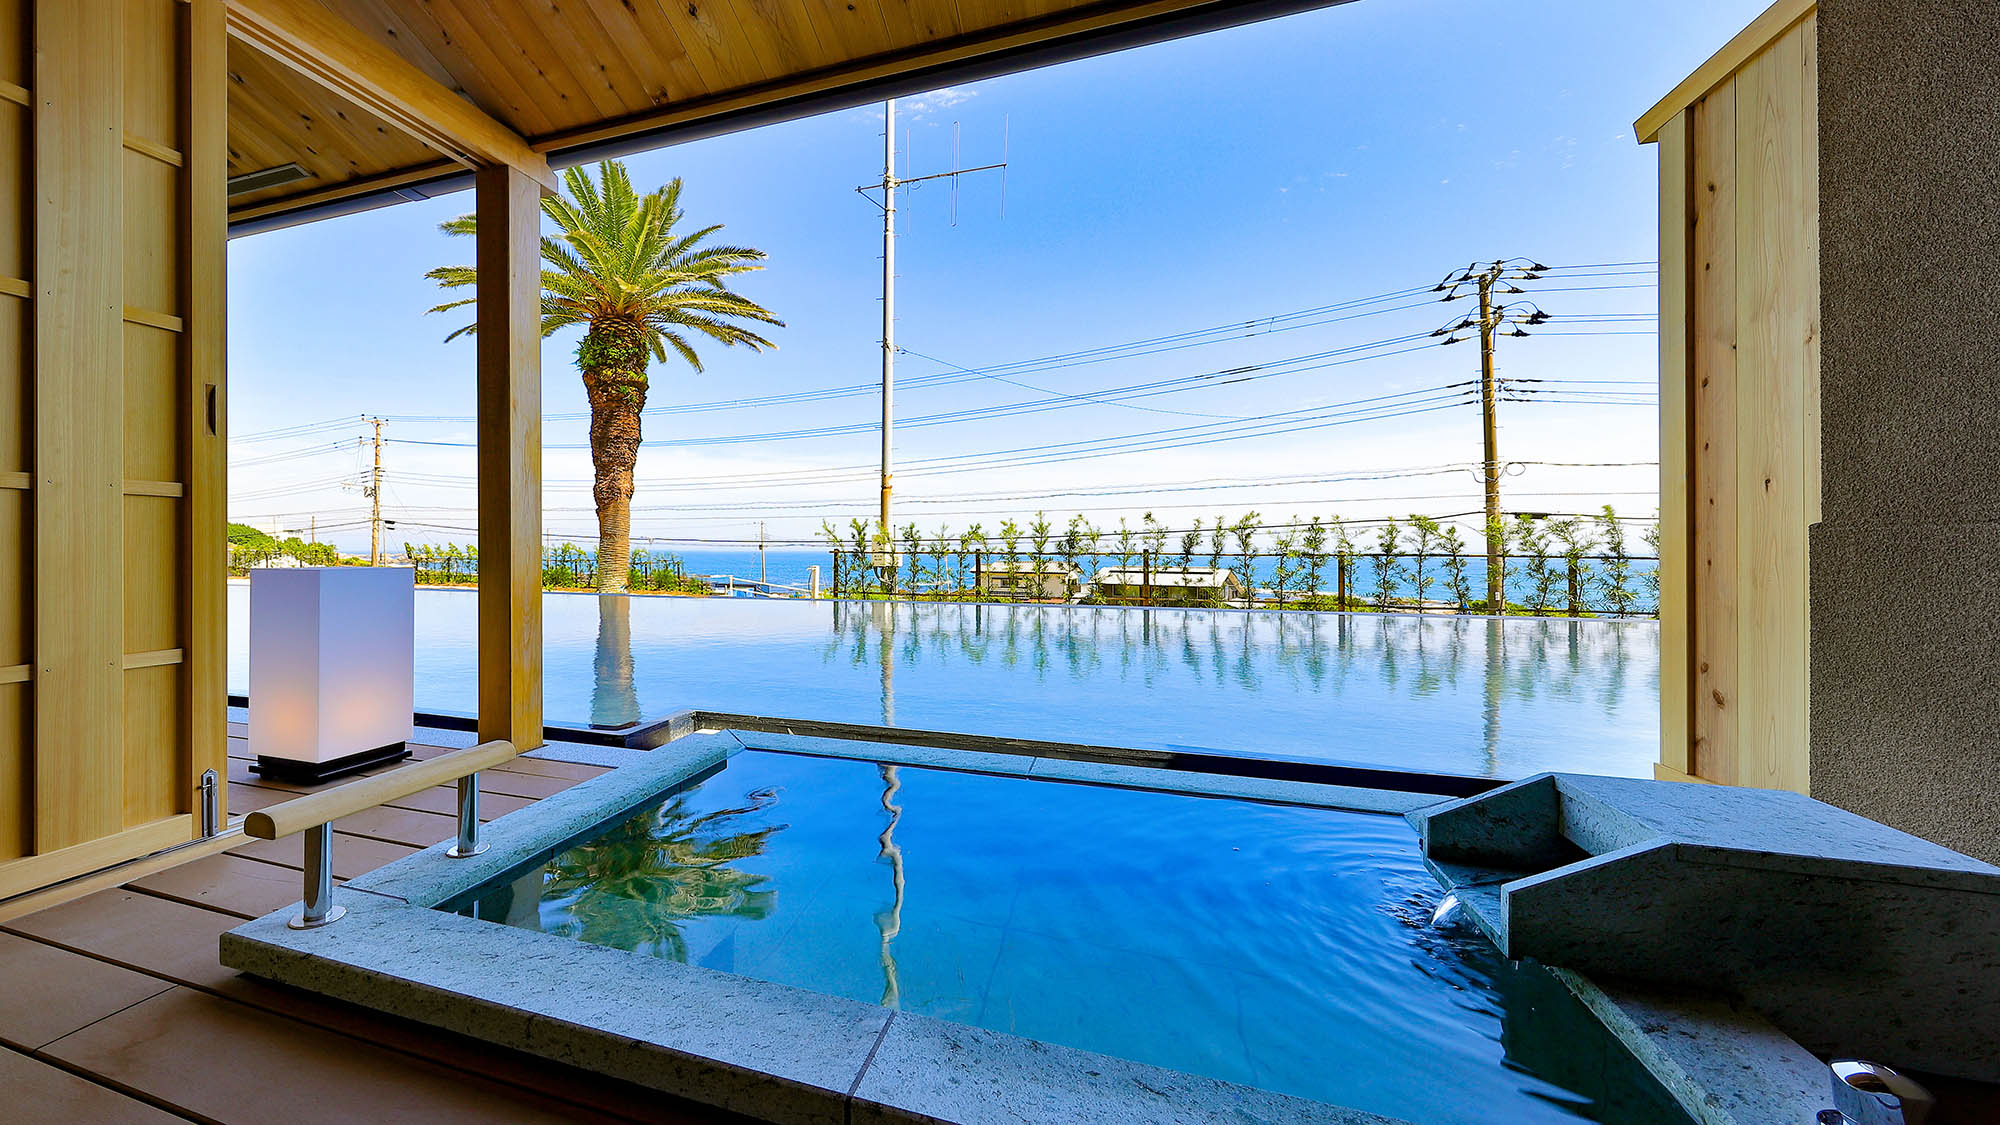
[(763, 568), (888, 185), (375, 495), (1490, 467), (1491, 317)]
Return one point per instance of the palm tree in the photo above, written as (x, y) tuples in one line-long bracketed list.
[(618, 266)]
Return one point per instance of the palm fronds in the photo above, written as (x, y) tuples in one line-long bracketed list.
[(618, 255)]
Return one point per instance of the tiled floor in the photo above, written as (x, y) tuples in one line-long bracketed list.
[(114, 1008)]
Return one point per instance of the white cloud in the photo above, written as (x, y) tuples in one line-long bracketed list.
[(920, 107), (924, 106)]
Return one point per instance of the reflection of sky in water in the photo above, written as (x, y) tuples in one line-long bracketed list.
[(1277, 946), (1466, 695)]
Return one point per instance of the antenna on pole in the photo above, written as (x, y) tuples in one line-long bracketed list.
[(888, 185), (888, 311)]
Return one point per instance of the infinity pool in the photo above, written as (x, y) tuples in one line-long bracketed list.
[(1276, 946), (1452, 694)]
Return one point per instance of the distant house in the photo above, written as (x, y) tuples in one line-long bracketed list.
[(1031, 579), (1193, 585)]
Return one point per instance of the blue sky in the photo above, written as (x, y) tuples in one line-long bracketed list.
[(1296, 164)]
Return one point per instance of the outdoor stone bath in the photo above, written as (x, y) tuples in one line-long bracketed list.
[(1856, 939)]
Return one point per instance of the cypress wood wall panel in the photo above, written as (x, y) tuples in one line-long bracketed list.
[(16, 339), (1740, 401), (1711, 305), (79, 292), (112, 236)]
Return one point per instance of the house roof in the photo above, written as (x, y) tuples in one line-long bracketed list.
[(1030, 566), (590, 78), (1193, 576)]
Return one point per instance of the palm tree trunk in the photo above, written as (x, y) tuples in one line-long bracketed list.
[(613, 359)]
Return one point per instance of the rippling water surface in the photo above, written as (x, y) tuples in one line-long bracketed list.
[(1454, 694), (1279, 947)]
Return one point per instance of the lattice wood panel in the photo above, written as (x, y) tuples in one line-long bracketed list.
[(112, 236)]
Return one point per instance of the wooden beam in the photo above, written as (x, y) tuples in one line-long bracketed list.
[(151, 318), (156, 659), (79, 655), (77, 886), (510, 456), (1748, 43), (171, 489), (305, 36), (83, 858)]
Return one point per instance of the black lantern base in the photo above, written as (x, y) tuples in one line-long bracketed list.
[(312, 773)]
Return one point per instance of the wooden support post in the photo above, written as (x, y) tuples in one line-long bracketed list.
[(510, 456)]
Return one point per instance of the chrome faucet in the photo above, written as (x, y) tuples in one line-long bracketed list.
[(1866, 1093)]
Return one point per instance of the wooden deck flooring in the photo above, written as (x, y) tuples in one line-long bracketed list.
[(114, 1008)]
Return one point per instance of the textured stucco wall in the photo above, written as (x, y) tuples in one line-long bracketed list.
[(1906, 563)]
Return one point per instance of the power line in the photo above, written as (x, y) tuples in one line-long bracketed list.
[(1231, 376), (1097, 397), (1243, 330), (1602, 265), (298, 430), (296, 454), (1355, 523)]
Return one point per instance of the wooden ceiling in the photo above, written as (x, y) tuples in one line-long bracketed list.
[(278, 117), (573, 76)]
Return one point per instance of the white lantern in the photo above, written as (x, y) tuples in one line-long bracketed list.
[(332, 669)]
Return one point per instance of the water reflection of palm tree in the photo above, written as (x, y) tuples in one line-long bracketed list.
[(635, 885), (614, 698)]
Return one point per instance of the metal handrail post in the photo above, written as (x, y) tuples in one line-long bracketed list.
[(320, 910), (469, 843)]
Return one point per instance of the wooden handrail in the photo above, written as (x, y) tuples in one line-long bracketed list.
[(315, 809)]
